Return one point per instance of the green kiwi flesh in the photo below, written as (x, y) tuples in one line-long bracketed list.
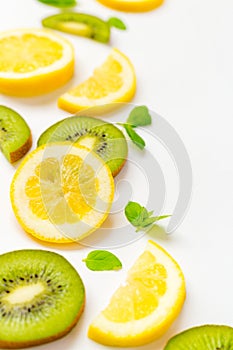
[(208, 337), (103, 138), (41, 297), (15, 135), (79, 24)]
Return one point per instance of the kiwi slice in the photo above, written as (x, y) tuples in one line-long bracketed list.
[(41, 298), (103, 138), (15, 135), (79, 24), (211, 337)]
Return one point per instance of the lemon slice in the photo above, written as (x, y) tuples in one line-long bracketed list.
[(62, 193), (114, 81), (132, 5), (34, 61), (144, 307)]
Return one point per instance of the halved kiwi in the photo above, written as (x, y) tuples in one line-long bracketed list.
[(41, 298), (103, 138), (79, 24), (211, 337), (15, 135)]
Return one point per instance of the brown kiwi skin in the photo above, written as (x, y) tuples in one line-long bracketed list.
[(22, 345), (21, 151), (119, 169)]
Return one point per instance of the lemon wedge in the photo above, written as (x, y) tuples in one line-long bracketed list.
[(114, 81), (144, 307)]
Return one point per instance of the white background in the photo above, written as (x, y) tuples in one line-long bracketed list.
[(183, 56)]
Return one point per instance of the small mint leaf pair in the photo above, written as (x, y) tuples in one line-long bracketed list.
[(139, 116), (140, 217)]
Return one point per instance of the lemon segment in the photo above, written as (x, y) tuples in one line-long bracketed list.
[(132, 5), (34, 61), (114, 81), (144, 307), (62, 192)]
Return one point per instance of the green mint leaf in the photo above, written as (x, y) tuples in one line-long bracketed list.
[(102, 260), (117, 23), (149, 221), (136, 214), (132, 212), (139, 216), (59, 3), (162, 217), (145, 214), (137, 140), (139, 116)]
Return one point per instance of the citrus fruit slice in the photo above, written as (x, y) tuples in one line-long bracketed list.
[(62, 192), (34, 61), (114, 81), (132, 5), (144, 307)]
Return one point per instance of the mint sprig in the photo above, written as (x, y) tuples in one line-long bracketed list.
[(139, 116), (102, 260), (140, 217), (117, 23)]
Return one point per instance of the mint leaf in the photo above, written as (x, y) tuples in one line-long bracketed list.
[(139, 116), (133, 211), (162, 217), (137, 140), (117, 23), (102, 260), (140, 217), (59, 3)]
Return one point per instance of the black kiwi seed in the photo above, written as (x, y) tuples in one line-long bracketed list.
[(108, 141)]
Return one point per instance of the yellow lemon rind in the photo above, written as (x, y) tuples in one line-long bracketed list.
[(132, 6)]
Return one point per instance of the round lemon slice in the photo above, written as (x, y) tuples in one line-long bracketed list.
[(34, 61), (144, 307), (62, 192), (114, 81), (132, 5)]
